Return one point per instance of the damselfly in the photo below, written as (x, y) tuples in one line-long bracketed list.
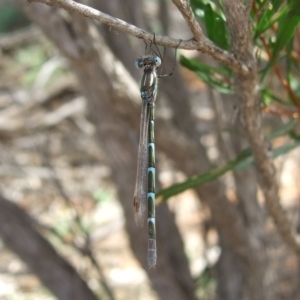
[(145, 178)]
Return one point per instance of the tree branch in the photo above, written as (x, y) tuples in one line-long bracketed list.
[(251, 119), (199, 42), (186, 11)]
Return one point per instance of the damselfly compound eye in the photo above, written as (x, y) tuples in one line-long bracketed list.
[(157, 61), (139, 63)]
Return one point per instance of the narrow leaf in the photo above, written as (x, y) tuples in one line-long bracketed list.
[(269, 17), (287, 28), (216, 77), (244, 160)]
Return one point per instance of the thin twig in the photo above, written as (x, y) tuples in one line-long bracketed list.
[(199, 42), (259, 13), (219, 124), (186, 11), (282, 80)]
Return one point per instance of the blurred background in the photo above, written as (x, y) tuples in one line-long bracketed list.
[(69, 129)]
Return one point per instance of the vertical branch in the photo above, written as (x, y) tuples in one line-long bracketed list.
[(246, 87), (187, 13)]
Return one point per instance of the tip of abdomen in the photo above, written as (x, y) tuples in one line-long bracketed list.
[(152, 253)]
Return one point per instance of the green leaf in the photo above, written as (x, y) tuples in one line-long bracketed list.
[(269, 65), (287, 26), (275, 153), (244, 160), (216, 77), (216, 27), (101, 195), (195, 181), (289, 61), (269, 17), (294, 135), (214, 21), (11, 18), (268, 97), (284, 129)]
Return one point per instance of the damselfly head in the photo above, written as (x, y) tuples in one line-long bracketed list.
[(148, 61)]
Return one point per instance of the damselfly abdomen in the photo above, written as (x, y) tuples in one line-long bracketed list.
[(145, 179)]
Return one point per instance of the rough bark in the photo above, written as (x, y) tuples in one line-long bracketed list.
[(250, 117)]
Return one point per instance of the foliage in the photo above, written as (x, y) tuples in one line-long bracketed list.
[(276, 40), (11, 18)]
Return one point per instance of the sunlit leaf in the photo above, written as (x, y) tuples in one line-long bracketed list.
[(287, 26), (195, 181), (268, 97), (214, 21), (244, 160), (215, 27), (269, 17), (216, 77)]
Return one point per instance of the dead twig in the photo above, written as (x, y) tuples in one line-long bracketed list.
[(198, 42)]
